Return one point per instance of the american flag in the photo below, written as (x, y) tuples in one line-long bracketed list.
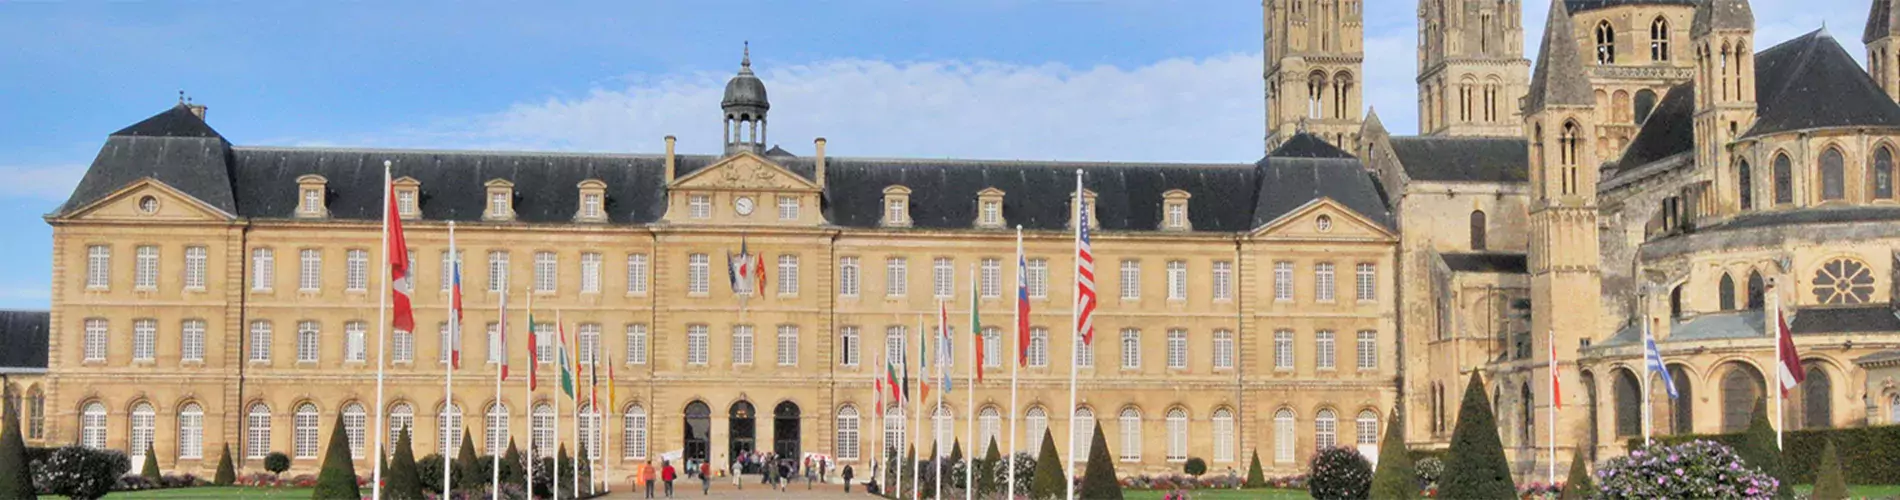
[(1084, 275)]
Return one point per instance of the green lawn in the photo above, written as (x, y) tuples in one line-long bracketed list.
[(212, 492), (1876, 492), (1269, 494)]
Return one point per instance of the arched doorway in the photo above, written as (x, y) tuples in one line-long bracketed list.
[(698, 431), (741, 431), (1742, 389), (785, 436)]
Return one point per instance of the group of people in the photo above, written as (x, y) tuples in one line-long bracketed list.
[(647, 474), (780, 471)]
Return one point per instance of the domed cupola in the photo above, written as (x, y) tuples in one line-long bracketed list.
[(745, 106)]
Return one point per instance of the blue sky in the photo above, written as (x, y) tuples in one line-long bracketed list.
[(1096, 80)]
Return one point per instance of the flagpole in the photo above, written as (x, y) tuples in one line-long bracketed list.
[(575, 401), (917, 419), (969, 393), (1021, 282), (1075, 310), (382, 331), (1647, 425), (527, 393), (501, 340), (1774, 325), (1555, 399), (448, 382), (554, 476), (593, 408), (943, 375)]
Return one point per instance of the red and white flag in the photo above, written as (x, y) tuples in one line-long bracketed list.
[(1085, 299), (501, 334), (401, 277), (1556, 388), (1790, 363)]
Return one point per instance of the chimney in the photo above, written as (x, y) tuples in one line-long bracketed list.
[(819, 168), (669, 158), (197, 109)]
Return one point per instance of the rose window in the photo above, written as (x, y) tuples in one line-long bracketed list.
[(1843, 281)]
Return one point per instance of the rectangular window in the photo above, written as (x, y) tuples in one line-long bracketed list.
[(1039, 278), (894, 211), (1323, 282), (145, 268), (544, 343), (98, 266), (448, 267), (788, 275), (788, 208), (1084, 353), (1131, 349), (636, 344), (191, 339), (312, 201), (1177, 280), (446, 341), (356, 341), (497, 271), (590, 272), (698, 268), (588, 337), (1367, 282), (1368, 349), (545, 271), (309, 270), (307, 341), (495, 349), (402, 346), (700, 206), (992, 213), (895, 338), (992, 278), (943, 277), (1177, 349), (1324, 349), (696, 344), (1223, 280), (1223, 350), (787, 345), (263, 267), (1131, 279), (498, 204), (1177, 215), (992, 347), (405, 201), (1039, 347), (260, 341), (637, 273), (894, 277), (848, 276), (590, 205), (848, 346), (1283, 350), (356, 270), (95, 340), (195, 267), (144, 339), (742, 344), (1283, 280)]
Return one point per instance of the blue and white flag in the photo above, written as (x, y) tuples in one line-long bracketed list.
[(1654, 359)]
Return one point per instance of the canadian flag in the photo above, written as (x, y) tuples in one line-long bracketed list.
[(400, 275)]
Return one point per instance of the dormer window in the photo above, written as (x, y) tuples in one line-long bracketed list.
[(788, 208), (897, 206), (501, 195), (310, 190), (407, 191), (699, 206), (1088, 201), (989, 208), (1174, 205), (593, 201)]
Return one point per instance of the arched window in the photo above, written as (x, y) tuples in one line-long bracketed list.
[(495, 428), (1223, 436), (1366, 428), (1606, 43), (1527, 416), (848, 433), (92, 425), (944, 422), (402, 417), (590, 431), (1325, 430), (1683, 414), (1038, 424), (448, 425), (1784, 179), (1675, 302), (1082, 429), (1177, 435), (144, 423), (1817, 399), (1756, 288), (989, 426), (633, 431), (1883, 174), (257, 431), (1342, 90), (1315, 95), (303, 432), (354, 420), (191, 431), (1478, 230), (541, 430), (1629, 416), (894, 428), (1283, 436), (1742, 389), (1843, 281), (1130, 428), (1725, 293), (1744, 184), (1833, 174), (1658, 42)]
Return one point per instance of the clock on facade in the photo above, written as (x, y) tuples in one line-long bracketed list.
[(743, 204)]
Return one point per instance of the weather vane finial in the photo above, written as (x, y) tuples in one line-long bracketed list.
[(746, 60), (181, 96)]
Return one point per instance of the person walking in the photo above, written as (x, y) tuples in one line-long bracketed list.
[(738, 465), (645, 475), (705, 478), (847, 479), (811, 474), (668, 474)]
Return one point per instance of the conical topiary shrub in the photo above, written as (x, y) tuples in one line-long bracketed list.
[(1829, 484), (1098, 479), (227, 473), (1579, 486), (1476, 467), (1759, 450), (956, 457), (400, 482), (465, 465), (337, 479), (1395, 478), (989, 469), (16, 475), (1049, 481), (1256, 478), (513, 470), (149, 470)]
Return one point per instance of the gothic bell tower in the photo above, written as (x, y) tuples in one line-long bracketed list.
[(1724, 41), (1472, 71), (1315, 58)]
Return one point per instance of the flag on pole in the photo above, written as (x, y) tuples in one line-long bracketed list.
[(1556, 389), (455, 308), (611, 393), (923, 362), (1790, 364), (400, 275), (1022, 303), (976, 329), (1653, 357), (534, 350), (877, 393), (758, 272), (1085, 299), (890, 380), (567, 367), (944, 352)]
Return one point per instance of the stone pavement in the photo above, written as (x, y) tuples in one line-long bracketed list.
[(689, 490)]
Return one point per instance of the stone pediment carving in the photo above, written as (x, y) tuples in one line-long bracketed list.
[(745, 171)]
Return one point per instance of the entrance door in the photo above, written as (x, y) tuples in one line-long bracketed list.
[(698, 431), (785, 430), (741, 430)]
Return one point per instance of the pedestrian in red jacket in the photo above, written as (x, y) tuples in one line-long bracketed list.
[(668, 474)]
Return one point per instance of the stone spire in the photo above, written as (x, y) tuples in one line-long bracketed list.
[(1559, 79)]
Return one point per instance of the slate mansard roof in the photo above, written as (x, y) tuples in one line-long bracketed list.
[(1464, 159), (23, 345), (177, 148)]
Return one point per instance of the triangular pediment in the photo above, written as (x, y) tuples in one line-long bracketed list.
[(744, 171), (129, 204), (1340, 223)]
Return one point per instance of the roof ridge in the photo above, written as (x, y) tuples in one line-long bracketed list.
[(1097, 163), (353, 149)]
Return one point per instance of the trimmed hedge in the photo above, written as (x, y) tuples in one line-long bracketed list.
[(1869, 455)]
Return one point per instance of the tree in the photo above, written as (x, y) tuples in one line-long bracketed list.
[(400, 482), (989, 469), (1098, 479), (149, 470), (16, 475), (511, 465), (1760, 449), (227, 474), (1396, 477), (1829, 484), (956, 457), (1476, 466), (467, 462), (1049, 481), (337, 479), (1255, 477), (1194, 466), (1339, 472), (277, 462), (1579, 485)]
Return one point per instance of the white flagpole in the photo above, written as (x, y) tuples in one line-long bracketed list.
[(943, 370), (575, 462), (1021, 280), (501, 338), (1554, 401), (969, 396), (1647, 427), (382, 330), (917, 420), (527, 394), (448, 382), (554, 476), (1075, 311), (1774, 325)]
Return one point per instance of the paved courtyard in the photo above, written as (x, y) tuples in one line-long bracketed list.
[(687, 490)]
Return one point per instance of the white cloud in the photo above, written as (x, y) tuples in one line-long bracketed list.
[(39, 182)]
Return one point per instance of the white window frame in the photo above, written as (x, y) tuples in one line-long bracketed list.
[(1325, 430), (787, 345), (590, 205), (1177, 349), (1130, 427), (1131, 279), (1038, 347), (1366, 428), (191, 341), (1131, 349), (144, 425), (633, 432), (257, 431), (992, 347), (849, 345), (1223, 423), (405, 202), (402, 347), (447, 279), (1037, 423), (303, 435), (1283, 350), (263, 269), (191, 432), (1038, 278), (699, 206), (260, 341), (195, 264), (1325, 350), (145, 268), (787, 208), (546, 271), (1177, 215), (847, 433), (637, 273), (1223, 349), (698, 274), (92, 426), (1223, 280), (309, 270), (1283, 281), (896, 338), (896, 271), (1177, 280), (1177, 435), (97, 332), (590, 272), (402, 416), (1084, 354), (697, 345), (448, 426), (495, 349), (1323, 286), (636, 344), (1368, 349), (309, 345), (497, 270), (992, 213), (356, 342), (1082, 430), (498, 204), (98, 267), (943, 277), (788, 274), (495, 428), (1284, 429), (312, 201), (356, 270), (1367, 288), (991, 277), (541, 429), (144, 340), (848, 276)]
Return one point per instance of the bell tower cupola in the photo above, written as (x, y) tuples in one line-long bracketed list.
[(745, 106)]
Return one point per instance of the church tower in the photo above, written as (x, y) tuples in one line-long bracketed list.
[(1315, 58), (1883, 45), (1724, 38), (1472, 69), (1566, 277)]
